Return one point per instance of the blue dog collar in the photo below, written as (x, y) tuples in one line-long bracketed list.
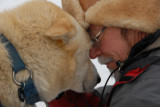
[(27, 91)]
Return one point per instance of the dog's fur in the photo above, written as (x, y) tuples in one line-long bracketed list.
[(52, 44)]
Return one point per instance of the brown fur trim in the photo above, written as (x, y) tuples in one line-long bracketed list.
[(143, 15)]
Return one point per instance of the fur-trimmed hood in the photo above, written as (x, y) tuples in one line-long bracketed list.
[(143, 15)]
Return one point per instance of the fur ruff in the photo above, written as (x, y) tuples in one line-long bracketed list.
[(143, 15)]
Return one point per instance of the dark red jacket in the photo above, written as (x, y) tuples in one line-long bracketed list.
[(73, 99)]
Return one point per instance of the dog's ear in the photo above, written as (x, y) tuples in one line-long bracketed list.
[(62, 29)]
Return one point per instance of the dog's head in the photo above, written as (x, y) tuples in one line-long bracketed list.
[(81, 75), (53, 45)]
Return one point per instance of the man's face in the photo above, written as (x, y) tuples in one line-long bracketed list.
[(111, 46)]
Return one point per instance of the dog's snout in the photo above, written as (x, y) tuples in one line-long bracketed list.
[(98, 79)]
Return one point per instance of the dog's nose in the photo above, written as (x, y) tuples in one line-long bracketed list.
[(98, 79)]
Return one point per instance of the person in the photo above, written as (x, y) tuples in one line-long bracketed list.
[(126, 38)]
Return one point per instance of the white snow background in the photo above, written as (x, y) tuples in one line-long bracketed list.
[(102, 70)]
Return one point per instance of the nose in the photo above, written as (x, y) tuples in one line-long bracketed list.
[(94, 52), (98, 79)]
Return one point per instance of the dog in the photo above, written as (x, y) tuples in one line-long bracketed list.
[(52, 45)]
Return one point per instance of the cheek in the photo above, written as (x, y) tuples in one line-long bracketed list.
[(122, 51), (118, 49), (106, 46)]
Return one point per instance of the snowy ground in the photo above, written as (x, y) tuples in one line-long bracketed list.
[(103, 71)]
